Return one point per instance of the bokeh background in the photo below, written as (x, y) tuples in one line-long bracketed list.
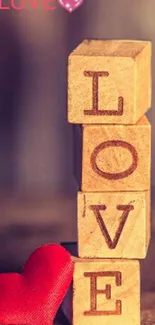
[(37, 187)]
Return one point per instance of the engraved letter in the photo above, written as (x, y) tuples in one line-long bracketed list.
[(107, 292), (95, 110), (125, 208), (114, 143)]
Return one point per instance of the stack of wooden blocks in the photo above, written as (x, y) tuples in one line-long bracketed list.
[(109, 93)]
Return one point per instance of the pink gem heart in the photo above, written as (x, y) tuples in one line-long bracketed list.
[(70, 5)]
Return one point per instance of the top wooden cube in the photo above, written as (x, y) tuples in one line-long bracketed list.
[(109, 82)]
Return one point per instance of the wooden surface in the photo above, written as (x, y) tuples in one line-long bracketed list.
[(147, 311), (109, 82), (31, 220), (148, 308), (27, 221), (114, 157), (109, 224)]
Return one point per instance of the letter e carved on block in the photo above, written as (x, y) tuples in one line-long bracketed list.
[(107, 292), (103, 290)]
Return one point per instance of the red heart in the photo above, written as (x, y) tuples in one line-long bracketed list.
[(34, 297)]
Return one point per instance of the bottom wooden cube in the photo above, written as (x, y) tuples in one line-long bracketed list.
[(104, 292)]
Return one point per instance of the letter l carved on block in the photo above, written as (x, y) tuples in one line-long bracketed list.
[(95, 91)]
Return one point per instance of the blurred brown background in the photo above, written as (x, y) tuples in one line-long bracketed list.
[(38, 192)]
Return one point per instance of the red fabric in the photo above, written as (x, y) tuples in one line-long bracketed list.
[(33, 297)]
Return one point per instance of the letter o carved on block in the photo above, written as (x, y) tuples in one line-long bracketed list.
[(114, 143)]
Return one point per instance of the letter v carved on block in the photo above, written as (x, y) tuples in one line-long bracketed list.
[(126, 210)]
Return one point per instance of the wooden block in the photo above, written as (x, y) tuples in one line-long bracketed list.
[(77, 153), (109, 224), (116, 157), (104, 292), (109, 82)]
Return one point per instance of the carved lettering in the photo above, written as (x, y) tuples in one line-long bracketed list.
[(126, 210), (107, 292), (114, 143), (95, 91)]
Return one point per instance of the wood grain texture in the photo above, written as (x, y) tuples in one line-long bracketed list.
[(109, 82), (104, 292), (109, 224), (116, 157), (147, 281), (147, 311)]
